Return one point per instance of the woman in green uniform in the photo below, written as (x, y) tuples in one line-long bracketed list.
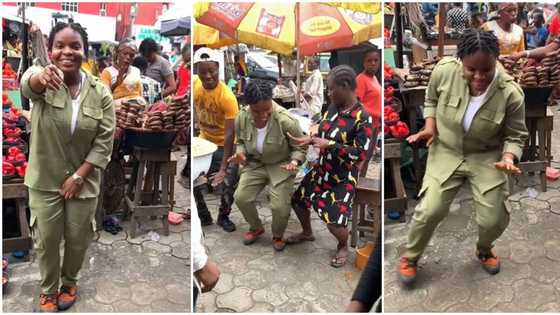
[(268, 157), (475, 127), (72, 124)]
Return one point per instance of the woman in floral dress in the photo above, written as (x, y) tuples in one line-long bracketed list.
[(345, 134)]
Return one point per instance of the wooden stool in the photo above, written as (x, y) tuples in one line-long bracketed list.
[(169, 169), (548, 127), (149, 201), (535, 157), (23, 242), (368, 193), (398, 202)]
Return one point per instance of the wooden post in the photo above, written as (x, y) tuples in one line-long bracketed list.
[(398, 25), (279, 66), (24, 53), (298, 61), (442, 18)]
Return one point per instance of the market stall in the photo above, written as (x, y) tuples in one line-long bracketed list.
[(149, 132)]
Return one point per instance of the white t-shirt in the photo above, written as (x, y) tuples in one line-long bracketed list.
[(314, 87), (261, 135), (474, 105), (76, 104)]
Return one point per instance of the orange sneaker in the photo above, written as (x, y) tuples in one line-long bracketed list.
[(278, 243), (48, 303), (251, 236), (67, 297), (407, 271), (489, 261)]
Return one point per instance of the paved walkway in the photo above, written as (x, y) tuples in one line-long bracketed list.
[(256, 278), (450, 277), (121, 274)]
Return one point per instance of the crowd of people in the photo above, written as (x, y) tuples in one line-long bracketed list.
[(266, 140), (517, 25), (262, 144)]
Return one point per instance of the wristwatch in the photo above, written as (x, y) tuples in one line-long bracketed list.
[(78, 179)]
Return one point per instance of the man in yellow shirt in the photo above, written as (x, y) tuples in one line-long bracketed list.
[(216, 108)]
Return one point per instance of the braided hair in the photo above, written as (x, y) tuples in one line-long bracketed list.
[(343, 76), (77, 27), (258, 90), (474, 40)]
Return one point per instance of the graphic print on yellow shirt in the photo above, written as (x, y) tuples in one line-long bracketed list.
[(213, 108)]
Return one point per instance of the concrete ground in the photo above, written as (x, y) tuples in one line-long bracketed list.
[(122, 274), (450, 278), (256, 278)]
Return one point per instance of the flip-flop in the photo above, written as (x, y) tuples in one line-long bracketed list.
[(338, 261), (299, 238)]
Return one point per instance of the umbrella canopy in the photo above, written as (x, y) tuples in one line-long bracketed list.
[(271, 26), (205, 35), (176, 27), (371, 8)]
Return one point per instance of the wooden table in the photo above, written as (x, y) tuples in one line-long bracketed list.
[(536, 154), (24, 242), (398, 202), (413, 98)]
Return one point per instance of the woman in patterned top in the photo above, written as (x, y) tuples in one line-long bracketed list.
[(510, 35), (122, 78), (345, 134)]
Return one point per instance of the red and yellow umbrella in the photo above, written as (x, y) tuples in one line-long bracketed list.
[(319, 28)]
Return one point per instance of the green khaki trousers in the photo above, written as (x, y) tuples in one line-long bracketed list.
[(251, 183), (492, 215), (53, 218)]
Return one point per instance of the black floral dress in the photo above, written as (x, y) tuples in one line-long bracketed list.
[(329, 188)]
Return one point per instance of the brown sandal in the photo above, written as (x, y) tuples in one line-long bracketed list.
[(338, 261)]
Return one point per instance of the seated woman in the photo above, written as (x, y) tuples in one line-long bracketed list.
[(475, 127), (123, 79), (268, 156), (345, 132)]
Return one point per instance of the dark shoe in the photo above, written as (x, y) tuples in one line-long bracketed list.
[(278, 243), (205, 220), (67, 297), (48, 303), (251, 236), (226, 223), (490, 262), (407, 271), (299, 238)]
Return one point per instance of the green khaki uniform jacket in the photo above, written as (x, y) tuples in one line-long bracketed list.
[(277, 149), (457, 156), (55, 153), (263, 169)]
